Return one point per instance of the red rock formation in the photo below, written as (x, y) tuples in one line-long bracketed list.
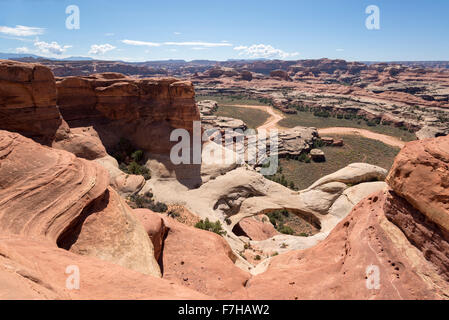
[(144, 111), (28, 101), (53, 196), (420, 174), (338, 267), (280, 74), (405, 239), (257, 228), (50, 198), (197, 259)]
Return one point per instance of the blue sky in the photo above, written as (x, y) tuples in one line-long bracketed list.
[(137, 30)]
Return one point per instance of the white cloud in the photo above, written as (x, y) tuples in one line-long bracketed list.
[(110, 34), (99, 49), (52, 48), (264, 51), (177, 33), (199, 44), (21, 31), (141, 43), (340, 50), (22, 50)]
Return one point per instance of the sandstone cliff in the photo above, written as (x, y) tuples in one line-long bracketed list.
[(28, 101), (144, 111)]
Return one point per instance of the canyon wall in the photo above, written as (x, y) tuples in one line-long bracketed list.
[(28, 101), (144, 111)]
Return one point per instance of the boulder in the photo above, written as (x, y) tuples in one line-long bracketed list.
[(257, 228), (82, 142), (317, 155)]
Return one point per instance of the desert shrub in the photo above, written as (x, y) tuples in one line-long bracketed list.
[(322, 114), (258, 258), (146, 201), (318, 143), (137, 156), (130, 160), (286, 230), (137, 169), (173, 213), (292, 185), (158, 207), (214, 227)]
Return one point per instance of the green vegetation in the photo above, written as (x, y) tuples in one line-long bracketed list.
[(146, 201), (226, 108), (324, 119), (290, 224), (356, 149), (131, 161), (211, 226), (280, 178), (252, 117)]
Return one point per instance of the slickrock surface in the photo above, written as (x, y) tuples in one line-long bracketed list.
[(52, 196), (30, 269), (405, 240), (337, 267), (197, 259)]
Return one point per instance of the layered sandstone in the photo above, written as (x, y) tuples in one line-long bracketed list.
[(420, 174), (54, 197), (28, 101), (398, 234), (144, 111), (197, 259)]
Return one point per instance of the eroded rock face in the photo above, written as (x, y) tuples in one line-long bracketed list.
[(55, 197), (197, 259), (28, 101), (144, 111), (31, 269), (420, 174), (337, 267)]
